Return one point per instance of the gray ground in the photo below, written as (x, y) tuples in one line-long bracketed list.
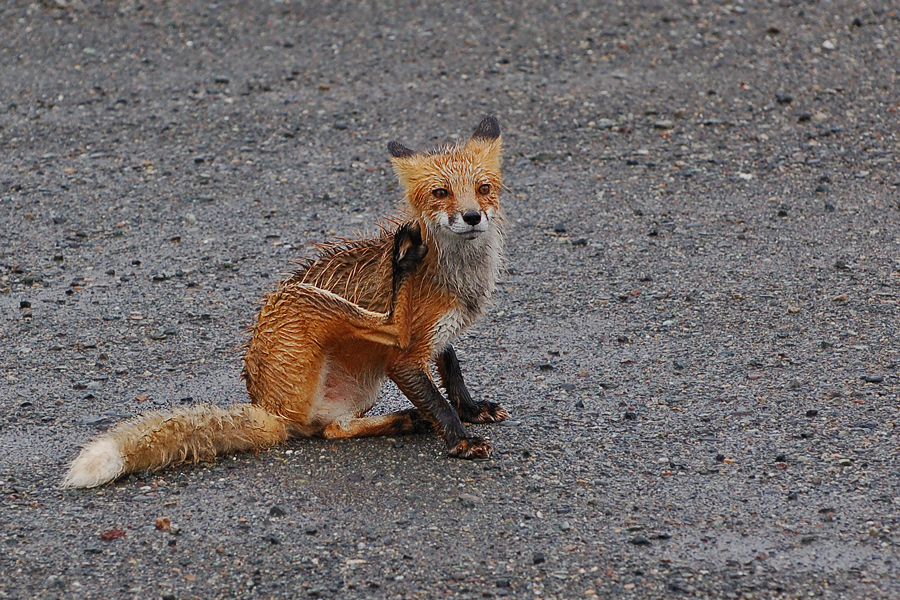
[(704, 266)]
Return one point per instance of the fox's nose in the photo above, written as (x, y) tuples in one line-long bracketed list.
[(472, 217)]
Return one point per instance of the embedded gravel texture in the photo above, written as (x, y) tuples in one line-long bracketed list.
[(697, 335)]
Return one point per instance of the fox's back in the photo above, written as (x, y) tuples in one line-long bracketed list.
[(359, 271)]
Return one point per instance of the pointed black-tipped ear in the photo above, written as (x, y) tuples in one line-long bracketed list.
[(398, 150), (488, 129)]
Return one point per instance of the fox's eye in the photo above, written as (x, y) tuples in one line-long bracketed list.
[(484, 189), (440, 193)]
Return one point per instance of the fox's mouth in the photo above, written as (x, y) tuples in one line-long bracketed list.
[(469, 235), (467, 232), (457, 227)]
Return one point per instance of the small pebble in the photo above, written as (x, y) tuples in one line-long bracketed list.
[(95, 420), (469, 500), (640, 540), (783, 98)]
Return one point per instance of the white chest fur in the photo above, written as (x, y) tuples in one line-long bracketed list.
[(468, 271), (449, 326)]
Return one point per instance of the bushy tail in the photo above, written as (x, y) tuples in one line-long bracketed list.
[(156, 440)]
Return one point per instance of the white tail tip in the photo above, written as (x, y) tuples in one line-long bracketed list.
[(99, 462)]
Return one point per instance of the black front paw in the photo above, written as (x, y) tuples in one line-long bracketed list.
[(409, 247), (483, 412), (471, 448)]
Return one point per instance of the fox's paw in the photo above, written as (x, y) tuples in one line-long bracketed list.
[(409, 248), (471, 448), (483, 412)]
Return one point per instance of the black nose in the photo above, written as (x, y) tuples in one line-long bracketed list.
[(472, 217)]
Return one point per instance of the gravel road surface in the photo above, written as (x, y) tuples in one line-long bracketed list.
[(697, 336)]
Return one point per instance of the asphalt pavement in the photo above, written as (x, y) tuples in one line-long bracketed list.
[(696, 333)]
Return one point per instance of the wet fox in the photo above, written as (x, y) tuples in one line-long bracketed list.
[(359, 312)]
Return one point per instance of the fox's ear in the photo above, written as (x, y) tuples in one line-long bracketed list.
[(488, 130), (398, 150), (486, 142), (406, 163)]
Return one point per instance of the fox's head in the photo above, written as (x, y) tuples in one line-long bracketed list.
[(456, 190)]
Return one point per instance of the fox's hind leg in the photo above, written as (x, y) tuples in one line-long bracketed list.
[(300, 316), (409, 251), (399, 423), (300, 324), (469, 410)]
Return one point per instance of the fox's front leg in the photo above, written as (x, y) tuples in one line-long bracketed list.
[(416, 384), (468, 409)]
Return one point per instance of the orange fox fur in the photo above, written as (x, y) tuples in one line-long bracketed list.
[(361, 311)]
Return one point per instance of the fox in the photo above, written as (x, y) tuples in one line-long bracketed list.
[(358, 313)]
